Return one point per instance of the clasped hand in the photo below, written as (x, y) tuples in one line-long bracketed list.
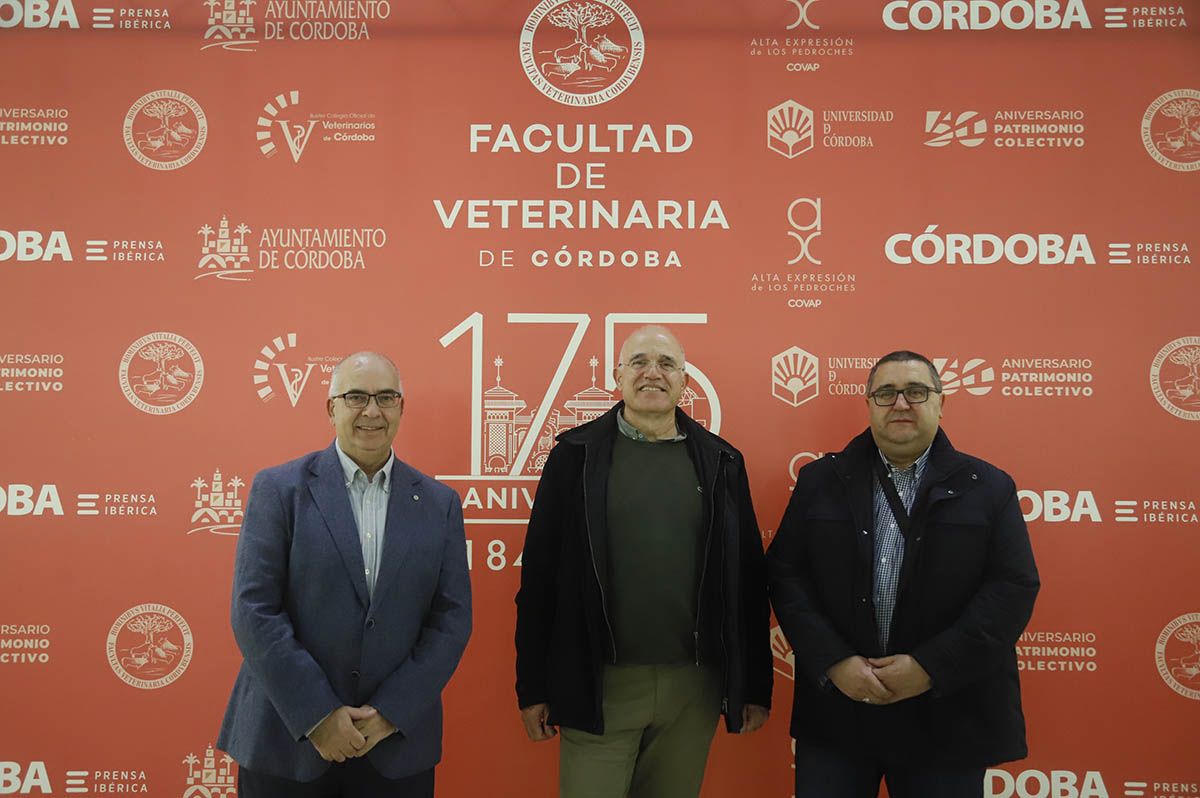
[(350, 732), (880, 680)]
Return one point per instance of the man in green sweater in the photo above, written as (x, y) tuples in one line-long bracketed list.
[(642, 614)]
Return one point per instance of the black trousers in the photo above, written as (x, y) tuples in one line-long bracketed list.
[(354, 778), (831, 773)]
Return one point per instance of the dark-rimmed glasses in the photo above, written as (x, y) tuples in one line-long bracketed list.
[(356, 400), (913, 394)]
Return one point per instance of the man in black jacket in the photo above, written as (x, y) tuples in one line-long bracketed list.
[(642, 613), (902, 575)]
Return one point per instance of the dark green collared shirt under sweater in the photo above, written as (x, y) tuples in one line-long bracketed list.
[(655, 549)]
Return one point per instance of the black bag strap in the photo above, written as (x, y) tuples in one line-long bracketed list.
[(893, 497)]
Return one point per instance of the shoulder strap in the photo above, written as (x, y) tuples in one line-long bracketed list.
[(893, 496)]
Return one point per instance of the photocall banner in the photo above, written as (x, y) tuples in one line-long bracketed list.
[(205, 205)]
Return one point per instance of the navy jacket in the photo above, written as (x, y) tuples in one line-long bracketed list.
[(967, 587), (313, 640)]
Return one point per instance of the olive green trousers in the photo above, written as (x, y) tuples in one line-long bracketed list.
[(659, 722)]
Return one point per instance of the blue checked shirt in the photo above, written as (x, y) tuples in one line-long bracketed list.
[(889, 541)]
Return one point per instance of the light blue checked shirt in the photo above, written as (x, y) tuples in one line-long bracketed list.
[(889, 541), (369, 501)]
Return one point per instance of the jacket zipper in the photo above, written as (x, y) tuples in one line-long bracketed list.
[(587, 525), (704, 568)]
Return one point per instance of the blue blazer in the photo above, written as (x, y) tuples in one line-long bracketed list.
[(311, 637)]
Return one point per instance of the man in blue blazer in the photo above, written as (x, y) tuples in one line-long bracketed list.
[(351, 606)]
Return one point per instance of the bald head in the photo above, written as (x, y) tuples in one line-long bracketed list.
[(651, 379), (359, 361), (652, 337)]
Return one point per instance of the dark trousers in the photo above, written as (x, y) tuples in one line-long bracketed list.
[(354, 778), (831, 773)]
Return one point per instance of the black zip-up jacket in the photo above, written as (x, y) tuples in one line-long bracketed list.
[(564, 637), (967, 587)]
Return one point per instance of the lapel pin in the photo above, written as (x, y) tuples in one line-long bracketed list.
[(416, 498)]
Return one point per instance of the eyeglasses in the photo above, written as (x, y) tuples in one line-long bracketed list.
[(665, 365), (913, 394), (356, 400)]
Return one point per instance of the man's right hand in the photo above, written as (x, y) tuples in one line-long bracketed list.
[(335, 738), (535, 717), (855, 677)]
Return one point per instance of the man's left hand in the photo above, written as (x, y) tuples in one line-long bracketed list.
[(901, 674), (753, 717), (374, 729)]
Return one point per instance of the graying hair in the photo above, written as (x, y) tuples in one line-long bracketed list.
[(357, 356)]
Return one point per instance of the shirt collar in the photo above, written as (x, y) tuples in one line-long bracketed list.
[(350, 468), (919, 464), (632, 432)]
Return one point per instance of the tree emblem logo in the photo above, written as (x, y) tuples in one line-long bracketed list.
[(1175, 377), (1177, 655), (582, 52), (165, 130), (1171, 130), (149, 646), (161, 373)]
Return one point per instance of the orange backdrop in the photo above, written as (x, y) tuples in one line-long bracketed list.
[(206, 204)]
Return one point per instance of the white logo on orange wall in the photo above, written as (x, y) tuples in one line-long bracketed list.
[(1175, 377), (1000, 783), (1055, 506), (270, 371), (149, 646), (925, 15), (165, 130), (974, 376), (1171, 130), (34, 245), (804, 233), (967, 128), (224, 254), (795, 376), (24, 780), (790, 129), (161, 373), (582, 52), (25, 644), (230, 25), (218, 506), (38, 14), (210, 776), (295, 134), (802, 11), (507, 422), (1177, 654)]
